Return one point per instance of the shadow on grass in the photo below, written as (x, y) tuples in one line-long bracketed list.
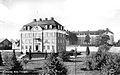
[(85, 69), (75, 61), (38, 68)]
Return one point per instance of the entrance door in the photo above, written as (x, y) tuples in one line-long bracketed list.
[(36, 47)]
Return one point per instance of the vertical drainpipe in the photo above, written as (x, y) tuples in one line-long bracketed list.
[(33, 40), (57, 41), (42, 41), (21, 41)]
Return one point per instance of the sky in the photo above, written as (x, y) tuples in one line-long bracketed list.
[(75, 15)]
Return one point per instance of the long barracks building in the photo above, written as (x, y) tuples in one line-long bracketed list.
[(94, 35)]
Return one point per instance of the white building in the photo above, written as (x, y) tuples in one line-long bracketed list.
[(43, 35), (93, 36)]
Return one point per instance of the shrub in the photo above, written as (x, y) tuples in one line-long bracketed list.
[(11, 63), (64, 56), (105, 62), (54, 67), (1, 61), (87, 51)]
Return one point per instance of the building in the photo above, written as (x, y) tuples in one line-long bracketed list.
[(5, 44), (93, 36), (43, 36), (15, 44)]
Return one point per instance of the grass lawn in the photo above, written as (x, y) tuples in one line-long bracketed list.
[(70, 65)]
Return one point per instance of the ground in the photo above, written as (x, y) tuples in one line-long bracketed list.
[(37, 64)]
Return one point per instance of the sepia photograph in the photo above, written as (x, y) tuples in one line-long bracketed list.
[(59, 37)]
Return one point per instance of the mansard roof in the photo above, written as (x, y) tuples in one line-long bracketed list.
[(42, 23), (92, 32)]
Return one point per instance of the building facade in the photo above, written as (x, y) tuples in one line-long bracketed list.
[(94, 35), (5, 44), (43, 36)]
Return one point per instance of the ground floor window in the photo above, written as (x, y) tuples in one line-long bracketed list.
[(36, 47), (53, 47), (26, 47), (48, 47)]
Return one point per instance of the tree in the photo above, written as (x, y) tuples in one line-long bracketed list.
[(1, 61), (30, 55), (102, 39), (87, 40), (12, 63), (72, 38), (54, 67)]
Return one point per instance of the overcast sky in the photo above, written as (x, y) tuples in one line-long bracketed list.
[(73, 14)]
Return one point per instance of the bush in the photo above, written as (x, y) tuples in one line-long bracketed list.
[(87, 51), (104, 62), (54, 67), (64, 56), (1, 61), (11, 63)]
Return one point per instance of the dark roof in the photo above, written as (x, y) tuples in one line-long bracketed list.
[(5, 40), (92, 32), (42, 23)]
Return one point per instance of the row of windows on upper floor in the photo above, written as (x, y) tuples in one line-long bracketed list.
[(46, 41), (59, 27), (45, 47), (46, 34)]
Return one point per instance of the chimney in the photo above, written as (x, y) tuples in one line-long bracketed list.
[(40, 19), (34, 20), (46, 19), (52, 18)]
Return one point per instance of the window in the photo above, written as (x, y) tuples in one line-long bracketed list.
[(39, 34), (22, 47), (50, 27), (30, 47), (48, 47), (53, 47), (26, 41), (54, 34), (58, 41), (10, 45), (30, 35), (46, 34), (26, 47), (53, 41), (26, 35), (58, 47), (35, 34), (1, 45), (43, 47), (28, 27), (30, 41)]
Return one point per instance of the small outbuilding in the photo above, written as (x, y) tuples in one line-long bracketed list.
[(5, 44)]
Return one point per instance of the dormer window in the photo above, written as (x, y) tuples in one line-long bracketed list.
[(62, 28), (50, 27), (28, 27), (47, 26), (24, 28), (58, 27)]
